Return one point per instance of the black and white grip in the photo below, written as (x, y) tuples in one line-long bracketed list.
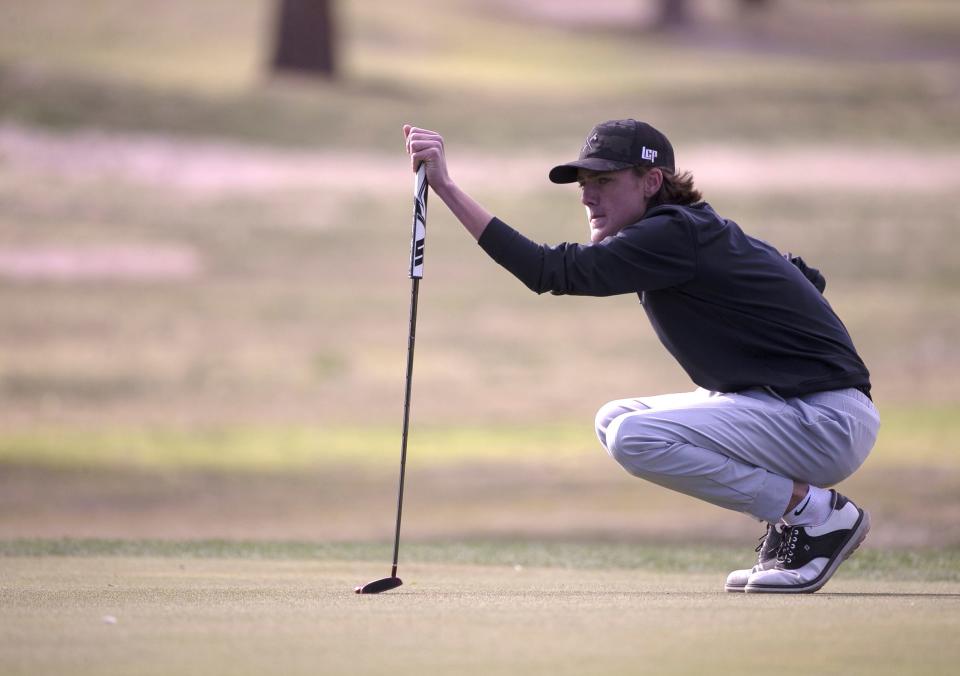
[(419, 223)]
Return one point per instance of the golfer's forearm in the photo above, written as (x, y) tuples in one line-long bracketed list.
[(473, 216)]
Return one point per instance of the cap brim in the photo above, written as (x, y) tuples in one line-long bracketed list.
[(567, 173)]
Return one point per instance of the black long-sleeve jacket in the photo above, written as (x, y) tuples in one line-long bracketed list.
[(731, 309)]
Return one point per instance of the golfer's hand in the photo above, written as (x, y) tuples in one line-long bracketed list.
[(426, 146)]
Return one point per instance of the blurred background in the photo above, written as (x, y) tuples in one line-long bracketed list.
[(204, 234)]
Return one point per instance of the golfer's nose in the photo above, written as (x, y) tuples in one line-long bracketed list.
[(588, 195)]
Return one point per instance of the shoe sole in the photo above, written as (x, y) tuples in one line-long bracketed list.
[(857, 535), (738, 588)]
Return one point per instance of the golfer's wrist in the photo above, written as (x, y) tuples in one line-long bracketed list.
[(444, 187)]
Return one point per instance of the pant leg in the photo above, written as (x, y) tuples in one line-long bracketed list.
[(614, 409), (743, 451)]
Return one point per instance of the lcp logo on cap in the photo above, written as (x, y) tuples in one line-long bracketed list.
[(648, 154)]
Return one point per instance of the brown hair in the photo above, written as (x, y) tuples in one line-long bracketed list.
[(675, 189)]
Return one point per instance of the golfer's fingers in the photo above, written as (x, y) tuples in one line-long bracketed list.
[(422, 145), (414, 134), (425, 146), (410, 129), (431, 155)]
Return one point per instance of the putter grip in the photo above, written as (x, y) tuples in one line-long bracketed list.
[(419, 223)]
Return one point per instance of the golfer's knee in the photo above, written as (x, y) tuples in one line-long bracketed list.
[(606, 415), (615, 438), (632, 445), (610, 412)]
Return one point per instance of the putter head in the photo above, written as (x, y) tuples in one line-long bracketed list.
[(377, 586)]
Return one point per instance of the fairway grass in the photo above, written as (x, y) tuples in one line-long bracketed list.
[(890, 564), (204, 616), (911, 436)]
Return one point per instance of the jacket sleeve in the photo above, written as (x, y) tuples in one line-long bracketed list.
[(655, 253)]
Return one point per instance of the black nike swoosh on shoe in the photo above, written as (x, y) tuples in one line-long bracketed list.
[(803, 507)]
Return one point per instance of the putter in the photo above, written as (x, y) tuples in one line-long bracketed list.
[(416, 273)]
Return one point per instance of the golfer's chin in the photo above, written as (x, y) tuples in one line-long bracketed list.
[(600, 229)]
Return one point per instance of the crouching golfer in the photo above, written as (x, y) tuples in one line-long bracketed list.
[(783, 408)]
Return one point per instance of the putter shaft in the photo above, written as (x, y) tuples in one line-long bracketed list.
[(414, 293)]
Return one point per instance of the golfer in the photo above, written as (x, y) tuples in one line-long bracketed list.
[(783, 407)]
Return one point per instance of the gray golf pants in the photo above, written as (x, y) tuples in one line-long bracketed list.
[(741, 450)]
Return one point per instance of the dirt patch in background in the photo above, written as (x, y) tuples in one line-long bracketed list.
[(212, 168), (581, 501), (115, 262)]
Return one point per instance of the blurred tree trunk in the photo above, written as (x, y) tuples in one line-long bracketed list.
[(673, 14), (305, 37), (678, 14)]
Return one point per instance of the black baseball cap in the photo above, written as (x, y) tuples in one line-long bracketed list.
[(615, 145)]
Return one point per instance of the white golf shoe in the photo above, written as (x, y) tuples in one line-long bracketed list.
[(766, 558), (808, 556)]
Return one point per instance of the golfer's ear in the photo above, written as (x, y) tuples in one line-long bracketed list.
[(652, 181)]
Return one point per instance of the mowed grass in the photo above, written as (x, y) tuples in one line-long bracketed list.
[(929, 565), (120, 615), (911, 437)]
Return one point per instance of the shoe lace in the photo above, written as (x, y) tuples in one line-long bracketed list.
[(788, 545), (763, 538), (767, 541)]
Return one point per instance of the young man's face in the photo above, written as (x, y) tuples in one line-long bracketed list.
[(613, 199)]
